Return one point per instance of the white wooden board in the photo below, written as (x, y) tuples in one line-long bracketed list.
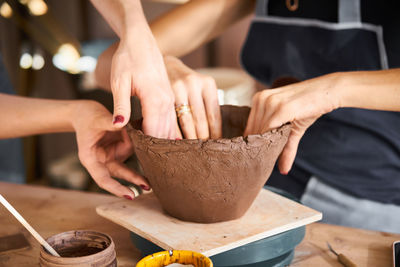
[(270, 214)]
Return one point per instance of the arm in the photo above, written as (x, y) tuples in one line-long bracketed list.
[(137, 68), (102, 148), (304, 102), (124, 16), (183, 29), (187, 27), (177, 33)]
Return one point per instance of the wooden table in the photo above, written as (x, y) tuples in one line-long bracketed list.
[(51, 211)]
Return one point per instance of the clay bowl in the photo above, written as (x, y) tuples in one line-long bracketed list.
[(213, 180)]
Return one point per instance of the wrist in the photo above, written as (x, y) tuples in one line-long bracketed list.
[(135, 24), (338, 82), (345, 89), (77, 111)]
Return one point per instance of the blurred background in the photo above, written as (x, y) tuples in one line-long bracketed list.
[(50, 49)]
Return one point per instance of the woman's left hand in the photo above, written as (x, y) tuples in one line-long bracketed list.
[(103, 149), (301, 104)]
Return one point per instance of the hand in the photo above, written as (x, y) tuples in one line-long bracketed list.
[(103, 149), (137, 69), (200, 93), (301, 104)]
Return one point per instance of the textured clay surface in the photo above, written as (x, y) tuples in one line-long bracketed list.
[(213, 180)]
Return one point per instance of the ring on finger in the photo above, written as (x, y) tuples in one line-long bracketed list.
[(182, 109)]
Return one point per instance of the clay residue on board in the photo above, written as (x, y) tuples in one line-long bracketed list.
[(213, 180)]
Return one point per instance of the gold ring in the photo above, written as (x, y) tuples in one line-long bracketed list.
[(182, 109)]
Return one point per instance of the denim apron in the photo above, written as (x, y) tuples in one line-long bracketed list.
[(343, 150)]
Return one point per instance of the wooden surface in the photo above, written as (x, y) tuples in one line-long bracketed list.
[(270, 214), (53, 211)]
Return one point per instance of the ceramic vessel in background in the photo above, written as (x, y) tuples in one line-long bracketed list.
[(83, 248), (213, 180)]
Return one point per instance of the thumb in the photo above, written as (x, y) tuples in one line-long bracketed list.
[(122, 101), (289, 152)]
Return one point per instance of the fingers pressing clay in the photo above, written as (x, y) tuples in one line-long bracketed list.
[(186, 121), (213, 111), (288, 154), (121, 90), (199, 114)]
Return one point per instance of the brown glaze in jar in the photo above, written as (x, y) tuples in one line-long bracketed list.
[(83, 248)]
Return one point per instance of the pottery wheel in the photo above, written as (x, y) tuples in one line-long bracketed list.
[(277, 250), (270, 214)]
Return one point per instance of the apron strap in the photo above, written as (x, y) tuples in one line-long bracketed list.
[(349, 10), (262, 8)]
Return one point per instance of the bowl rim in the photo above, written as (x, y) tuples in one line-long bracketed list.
[(248, 140), (148, 259)]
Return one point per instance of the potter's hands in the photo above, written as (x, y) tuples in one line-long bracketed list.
[(200, 93), (138, 69), (103, 149), (301, 104)]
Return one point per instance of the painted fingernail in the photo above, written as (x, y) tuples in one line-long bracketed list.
[(128, 197), (145, 187), (118, 119)]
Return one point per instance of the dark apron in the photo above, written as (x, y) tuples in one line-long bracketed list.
[(307, 48), (354, 150)]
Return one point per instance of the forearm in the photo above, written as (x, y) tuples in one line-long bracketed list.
[(189, 26), (183, 29), (21, 116), (124, 16), (378, 90), (103, 67)]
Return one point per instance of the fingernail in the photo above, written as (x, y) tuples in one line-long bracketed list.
[(118, 119), (284, 173), (145, 187), (178, 138), (128, 197)]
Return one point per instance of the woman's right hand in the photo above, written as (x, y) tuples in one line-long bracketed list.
[(200, 93)]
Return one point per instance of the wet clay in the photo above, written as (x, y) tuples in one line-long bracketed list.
[(80, 248), (213, 180), (78, 251)]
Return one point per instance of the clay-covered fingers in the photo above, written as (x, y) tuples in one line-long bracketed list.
[(256, 114), (159, 115), (289, 152), (266, 112), (184, 111), (288, 155), (197, 106), (210, 97)]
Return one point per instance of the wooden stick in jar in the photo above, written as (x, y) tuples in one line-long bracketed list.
[(28, 227)]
